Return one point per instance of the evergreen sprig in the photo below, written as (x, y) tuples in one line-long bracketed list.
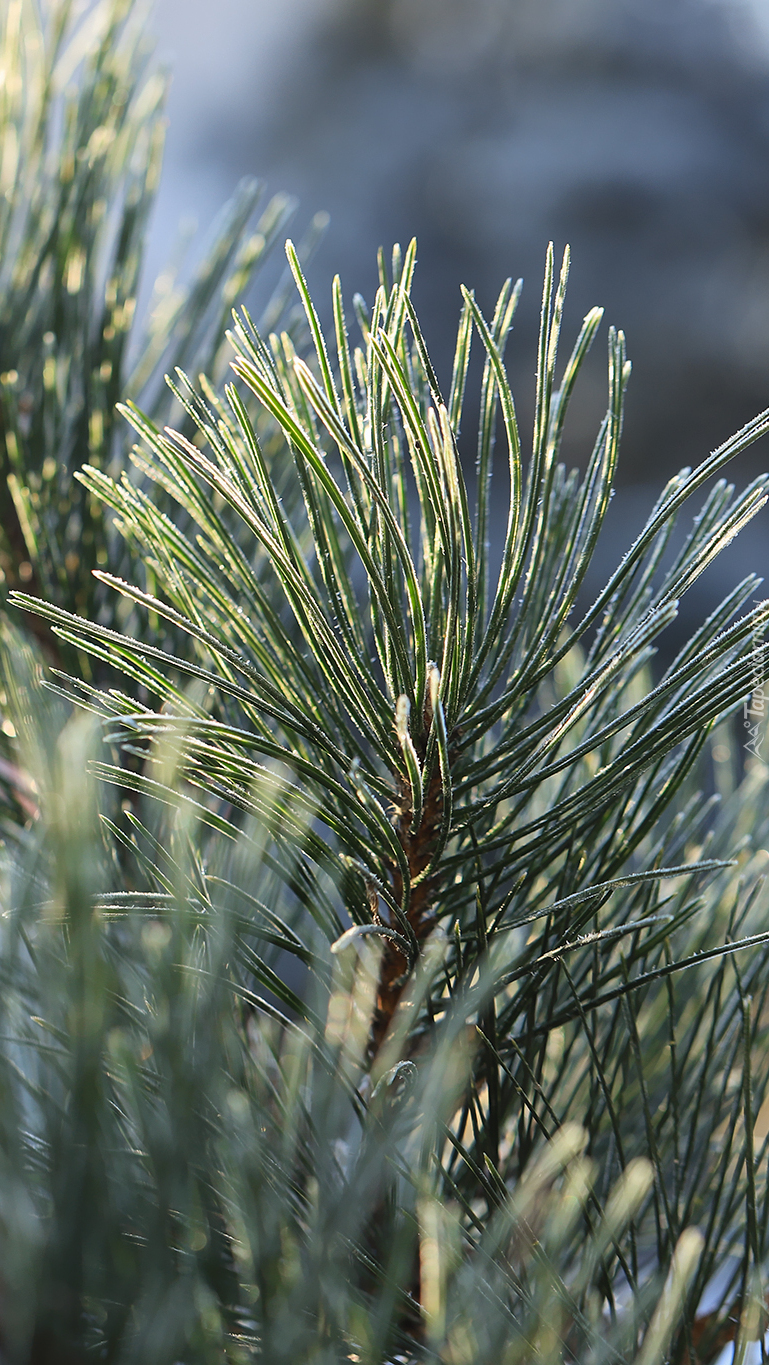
[(475, 780), (360, 640)]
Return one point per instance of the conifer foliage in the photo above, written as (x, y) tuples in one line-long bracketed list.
[(378, 983), (82, 138)]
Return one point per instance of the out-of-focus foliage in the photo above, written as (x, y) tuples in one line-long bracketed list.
[(81, 141), (188, 1175), (81, 144)]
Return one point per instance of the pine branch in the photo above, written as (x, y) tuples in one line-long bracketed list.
[(505, 804)]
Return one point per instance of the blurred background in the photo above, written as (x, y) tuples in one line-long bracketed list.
[(636, 130)]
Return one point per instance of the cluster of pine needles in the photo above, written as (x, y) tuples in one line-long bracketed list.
[(384, 968)]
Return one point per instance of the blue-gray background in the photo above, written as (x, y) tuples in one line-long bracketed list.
[(636, 130)]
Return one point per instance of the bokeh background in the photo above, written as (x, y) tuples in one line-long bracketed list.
[(636, 130)]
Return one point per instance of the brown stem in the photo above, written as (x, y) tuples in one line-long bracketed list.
[(418, 848)]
